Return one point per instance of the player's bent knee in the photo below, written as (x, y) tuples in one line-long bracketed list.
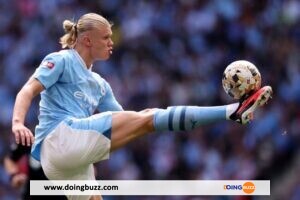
[(134, 121), (148, 110), (98, 197), (129, 125)]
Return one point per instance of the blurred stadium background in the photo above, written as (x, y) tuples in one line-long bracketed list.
[(171, 53)]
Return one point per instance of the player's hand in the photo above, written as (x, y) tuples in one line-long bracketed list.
[(18, 180), (22, 134)]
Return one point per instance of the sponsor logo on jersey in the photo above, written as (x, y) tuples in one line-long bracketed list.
[(48, 64), (85, 100)]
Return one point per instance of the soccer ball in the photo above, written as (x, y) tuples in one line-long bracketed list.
[(240, 78)]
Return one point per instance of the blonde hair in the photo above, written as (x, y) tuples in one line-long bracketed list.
[(85, 23)]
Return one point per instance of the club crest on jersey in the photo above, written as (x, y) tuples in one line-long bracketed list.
[(48, 64)]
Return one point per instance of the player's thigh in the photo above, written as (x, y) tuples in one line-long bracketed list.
[(78, 142), (89, 140), (129, 125)]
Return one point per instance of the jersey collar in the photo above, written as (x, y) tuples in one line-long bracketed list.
[(81, 60)]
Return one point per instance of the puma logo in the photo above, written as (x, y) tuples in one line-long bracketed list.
[(193, 122)]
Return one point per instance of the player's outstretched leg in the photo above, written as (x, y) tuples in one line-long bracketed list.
[(180, 118), (183, 118), (128, 125)]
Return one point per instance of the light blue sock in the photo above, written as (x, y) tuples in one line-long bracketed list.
[(181, 118)]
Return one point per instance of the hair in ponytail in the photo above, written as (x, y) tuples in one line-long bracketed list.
[(86, 22), (69, 39)]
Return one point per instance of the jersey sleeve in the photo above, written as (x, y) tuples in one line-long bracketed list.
[(50, 70), (109, 102)]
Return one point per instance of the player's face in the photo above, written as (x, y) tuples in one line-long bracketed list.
[(102, 44)]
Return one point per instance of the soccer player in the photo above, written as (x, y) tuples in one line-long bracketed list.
[(20, 179), (69, 138)]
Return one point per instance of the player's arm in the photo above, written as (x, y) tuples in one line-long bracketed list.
[(109, 102), (23, 101), (10, 166), (44, 77), (17, 178)]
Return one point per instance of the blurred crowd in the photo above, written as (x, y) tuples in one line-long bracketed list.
[(173, 53)]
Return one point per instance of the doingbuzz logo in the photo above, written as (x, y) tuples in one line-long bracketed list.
[(247, 187)]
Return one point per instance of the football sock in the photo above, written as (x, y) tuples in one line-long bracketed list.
[(231, 108), (181, 118)]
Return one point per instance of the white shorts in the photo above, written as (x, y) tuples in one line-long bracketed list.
[(69, 151)]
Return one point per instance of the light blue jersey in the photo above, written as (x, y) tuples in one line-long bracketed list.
[(71, 90)]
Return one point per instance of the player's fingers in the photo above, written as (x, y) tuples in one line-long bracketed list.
[(22, 136), (32, 138), (17, 137), (28, 137)]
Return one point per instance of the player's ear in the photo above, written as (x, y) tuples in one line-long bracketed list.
[(87, 40)]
